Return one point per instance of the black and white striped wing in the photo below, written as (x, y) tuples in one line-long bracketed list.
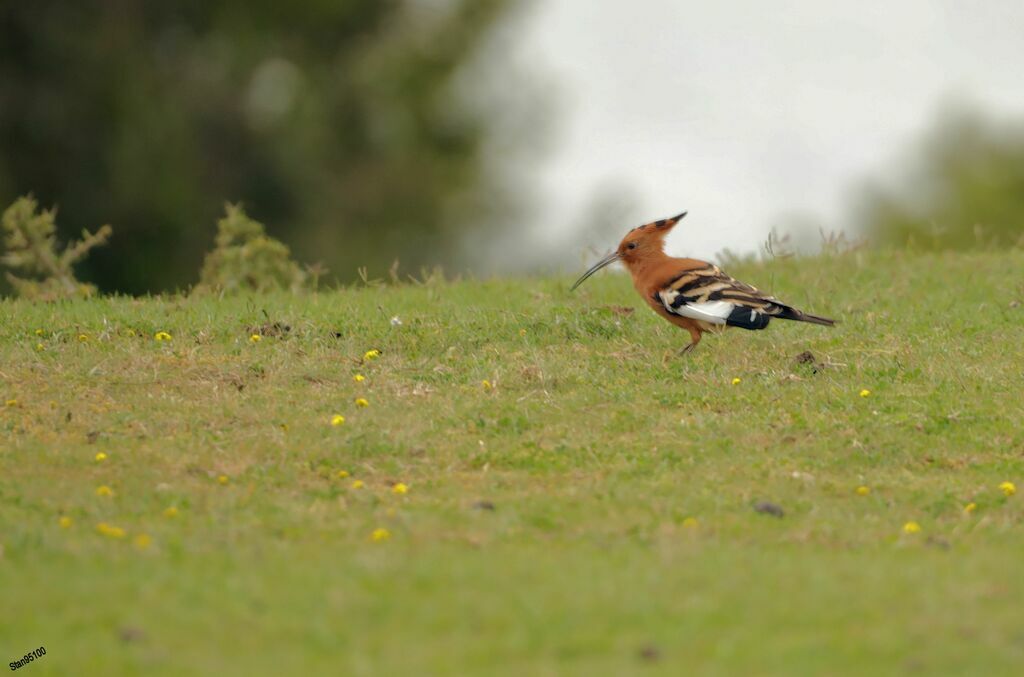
[(709, 295)]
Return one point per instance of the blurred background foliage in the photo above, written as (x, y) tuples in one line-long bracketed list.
[(365, 131), (355, 129), (963, 187)]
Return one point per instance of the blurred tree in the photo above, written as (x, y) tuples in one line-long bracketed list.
[(965, 189), (343, 124)]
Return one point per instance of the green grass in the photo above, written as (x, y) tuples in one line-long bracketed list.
[(596, 447)]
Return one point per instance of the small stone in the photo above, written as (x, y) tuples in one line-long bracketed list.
[(131, 634), (769, 508), (649, 653), (808, 358)]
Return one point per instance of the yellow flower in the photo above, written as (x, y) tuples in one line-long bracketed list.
[(911, 528), (101, 456), (690, 523), (130, 332), (865, 392), (64, 522), (104, 490), (255, 338), (142, 541), (522, 332), (487, 384), (736, 381), (358, 484), (380, 534), (162, 336), (40, 347), (1008, 488), (40, 332), (358, 378), (171, 511), (361, 402), (337, 420), (863, 491), (222, 479), (400, 488), (970, 507), (83, 337), (342, 474), (11, 403), (110, 531), (371, 354)]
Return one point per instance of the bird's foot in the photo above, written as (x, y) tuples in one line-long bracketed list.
[(687, 349)]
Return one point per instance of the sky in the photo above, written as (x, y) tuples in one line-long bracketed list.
[(747, 113)]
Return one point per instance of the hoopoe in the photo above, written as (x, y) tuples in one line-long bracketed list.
[(695, 295)]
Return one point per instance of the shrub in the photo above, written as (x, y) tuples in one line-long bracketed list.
[(31, 242), (247, 259)]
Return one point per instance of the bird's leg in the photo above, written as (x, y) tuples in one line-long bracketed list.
[(695, 335)]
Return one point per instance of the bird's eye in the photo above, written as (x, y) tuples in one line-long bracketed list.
[(631, 245)]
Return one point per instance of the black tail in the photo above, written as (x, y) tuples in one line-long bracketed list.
[(800, 316)]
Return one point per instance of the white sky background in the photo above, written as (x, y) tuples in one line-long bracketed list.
[(744, 112)]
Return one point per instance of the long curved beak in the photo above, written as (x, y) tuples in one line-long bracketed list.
[(606, 261)]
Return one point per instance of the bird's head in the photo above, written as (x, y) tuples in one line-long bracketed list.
[(639, 243)]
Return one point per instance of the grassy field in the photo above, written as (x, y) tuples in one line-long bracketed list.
[(578, 499)]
